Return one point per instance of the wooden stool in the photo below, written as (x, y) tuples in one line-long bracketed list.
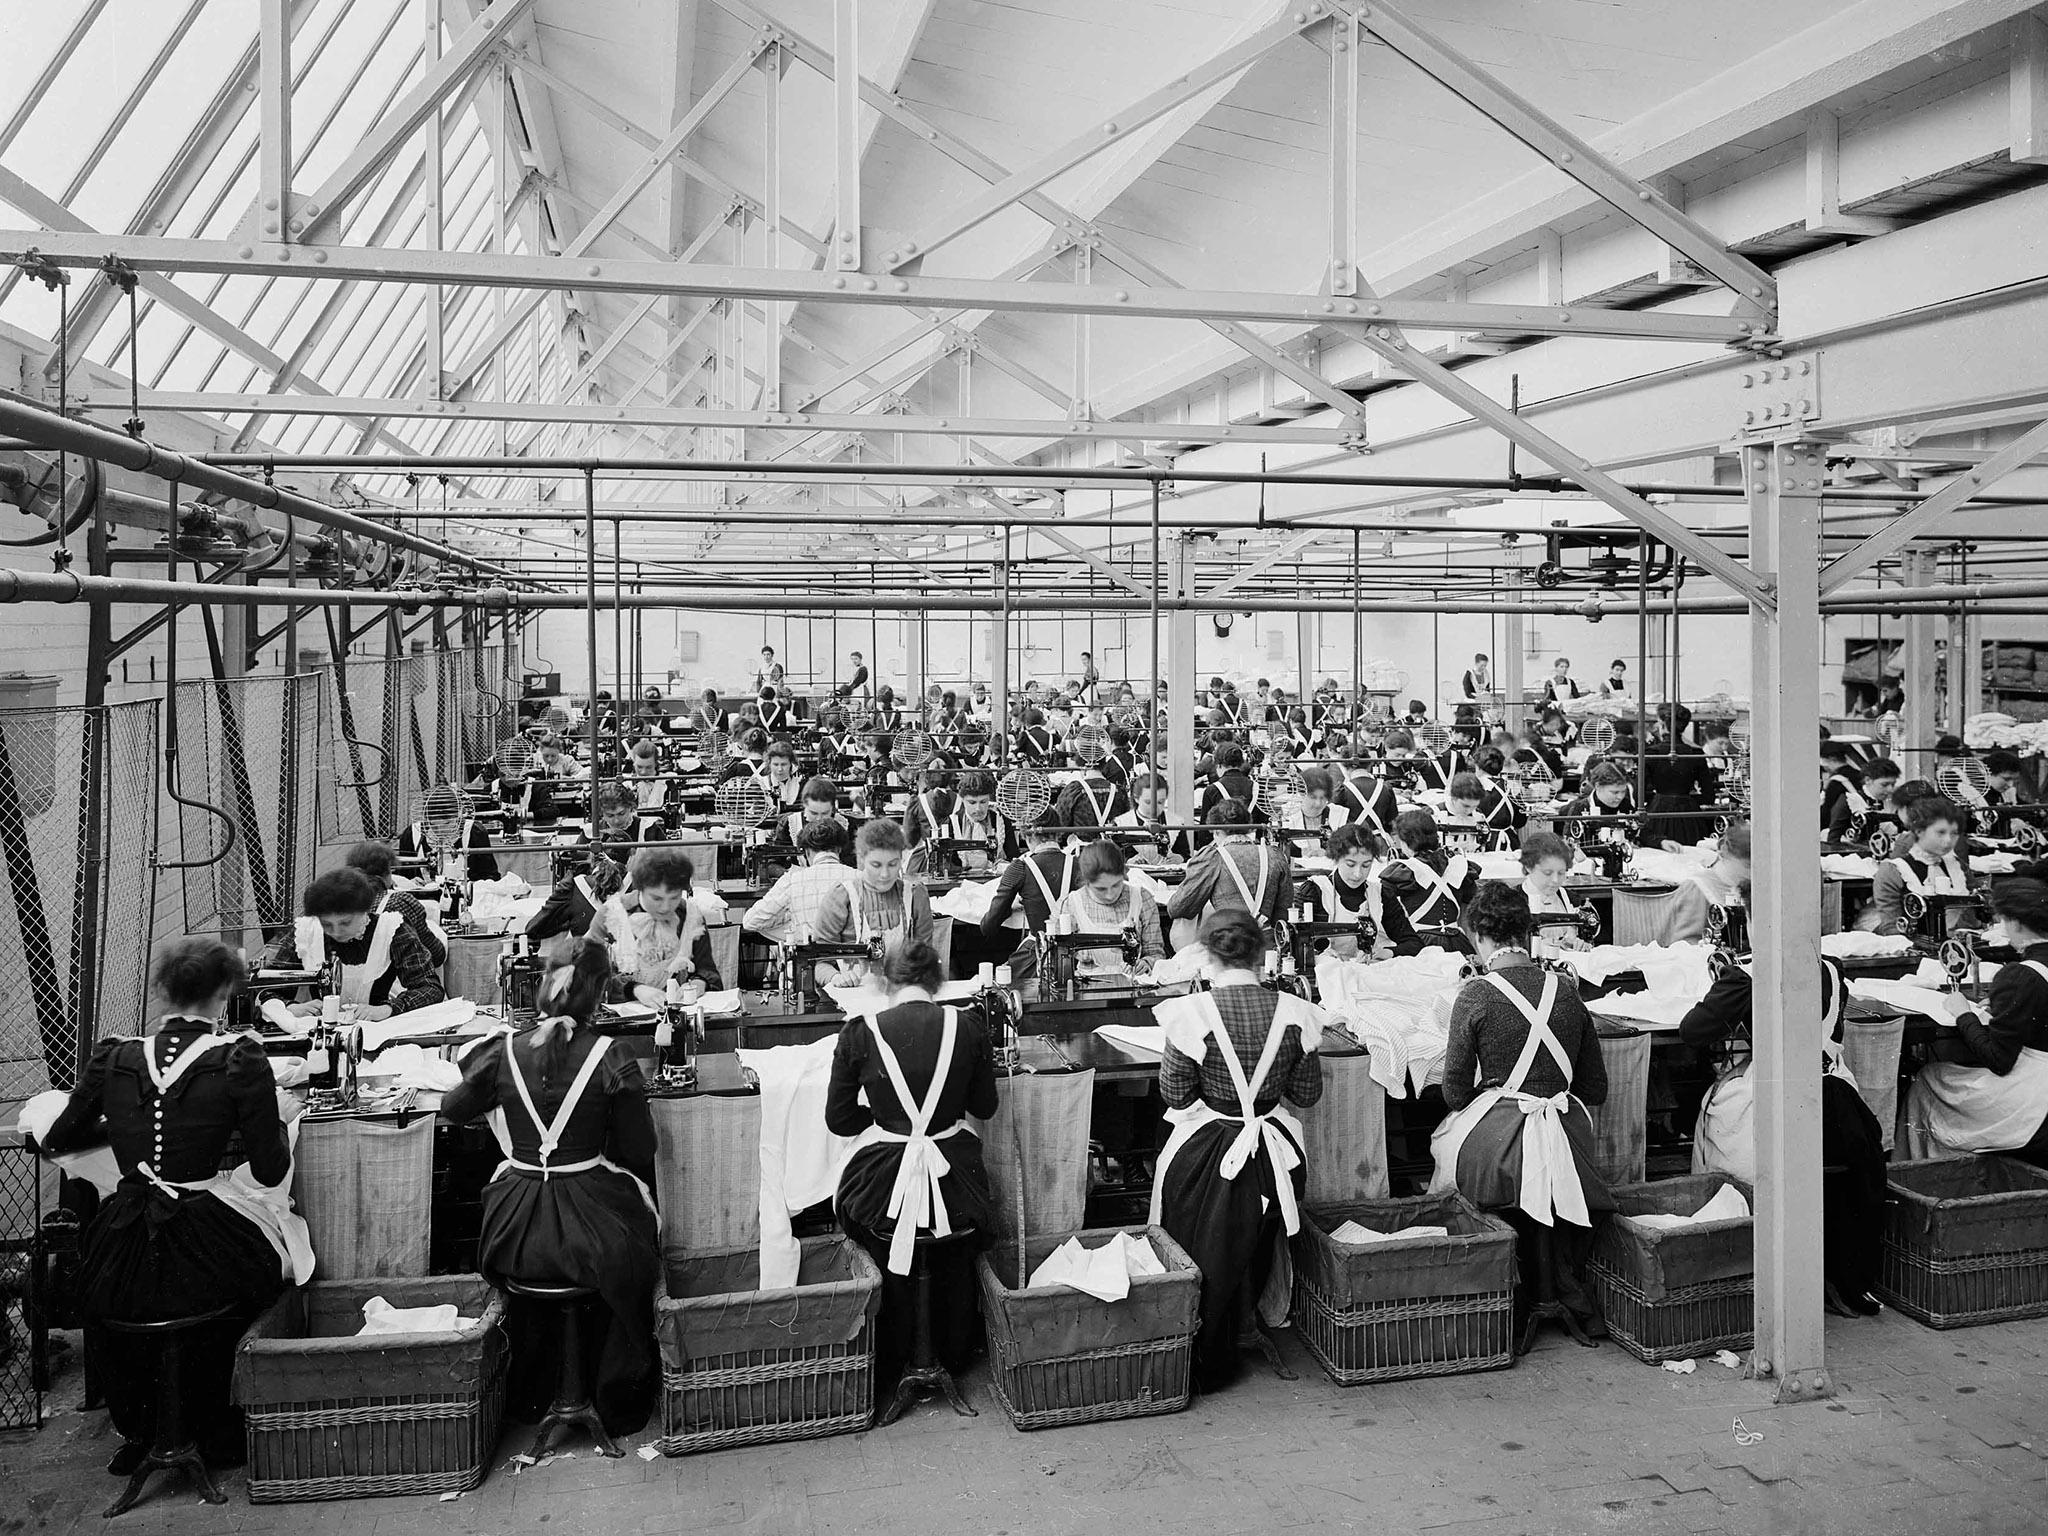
[(571, 1406), (171, 1445), (924, 1376)]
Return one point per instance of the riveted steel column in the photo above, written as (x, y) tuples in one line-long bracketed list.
[(1180, 685), (1783, 478)]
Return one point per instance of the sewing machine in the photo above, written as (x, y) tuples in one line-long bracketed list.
[(797, 966), (678, 1031), (957, 858), (1003, 1006), (1583, 921), (768, 862), (1060, 974), (1933, 919), (1299, 937), (519, 977), (246, 1010), (1961, 966), (1613, 859)]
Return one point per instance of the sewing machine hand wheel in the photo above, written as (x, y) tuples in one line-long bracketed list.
[(1957, 959)]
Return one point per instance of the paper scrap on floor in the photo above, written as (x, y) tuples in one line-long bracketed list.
[(1728, 1204), (1352, 1234), (1104, 1273), (1136, 1037), (379, 1316)]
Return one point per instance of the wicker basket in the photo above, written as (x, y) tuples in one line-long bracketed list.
[(336, 1416), (1966, 1241), (1059, 1356), (743, 1366), (1423, 1306), (1672, 1293)]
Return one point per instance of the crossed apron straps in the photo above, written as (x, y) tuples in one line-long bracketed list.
[(1541, 1036), (1436, 888), (1045, 887), (915, 1200), (551, 1130), (1255, 903)]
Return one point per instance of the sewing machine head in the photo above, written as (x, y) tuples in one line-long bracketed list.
[(1613, 859), (956, 856), (768, 862), (1003, 1006), (1299, 937), (1938, 917), (800, 964), (678, 1030), (1060, 953), (1582, 920), (1958, 957)]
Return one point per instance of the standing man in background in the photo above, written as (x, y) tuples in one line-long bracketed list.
[(859, 680), (1089, 677)]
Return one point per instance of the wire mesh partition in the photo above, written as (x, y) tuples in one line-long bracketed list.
[(251, 746), (66, 921), (24, 1335)]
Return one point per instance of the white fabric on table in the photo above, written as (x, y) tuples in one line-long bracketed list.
[(1505, 866), (450, 1013), (1136, 1037), (1672, 969), (1651, 1010), (1848, 866), (1994, 863), (869, 998), (410, 1066), (800, 1160), (1667, 868), (1399, 1010), (1863, 946), (1902, 995)]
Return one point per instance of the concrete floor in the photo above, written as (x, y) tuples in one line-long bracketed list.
[(1932, 1433)]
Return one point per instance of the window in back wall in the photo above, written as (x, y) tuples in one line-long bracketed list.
[(686, 645)]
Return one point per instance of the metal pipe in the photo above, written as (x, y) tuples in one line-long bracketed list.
[(1017, 474), (590, 628), (1357, 634), (68, 587), (66, 434), (1152, 694), (1642, 669)]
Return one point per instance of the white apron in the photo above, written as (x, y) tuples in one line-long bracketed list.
[(1858, 801), (1947, 879), (1954, 1109), (1550, 1174), (625, 940), (356, 980), (1724, 1138), (1192, 1024), (551, 1131), (267, 1209), (915, 1202)]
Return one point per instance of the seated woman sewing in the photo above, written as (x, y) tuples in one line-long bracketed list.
[(1316, 810), (654, 933), (1522, 1064), (1546, 864), (1040, 878), (417, 845), (1348, 890), (177, 1236), (1930, 867), (903, 1083), (1500, 813), (1601, 815), (573, 903), (1103, 900), (1987, 1088), (380, 966), (376, 862), (1851, 1144), (1148, 811), (788, 913), (572, 1203), (1232, 1055), (1423, 889), (880, 904), (1233, 873)]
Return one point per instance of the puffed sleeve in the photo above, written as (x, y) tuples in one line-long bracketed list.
[(419, 983), (845, 1114), (1725, 1009), (83, 1122), (629, 1139), (834, 923), (477, 1094), (252, 1088)]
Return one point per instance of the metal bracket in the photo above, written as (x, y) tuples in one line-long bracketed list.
[(1780, 395)]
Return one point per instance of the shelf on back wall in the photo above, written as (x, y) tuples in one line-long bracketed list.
[(2015, 674)]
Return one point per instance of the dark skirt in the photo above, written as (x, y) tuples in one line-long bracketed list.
[(1228, 1227), (591, 1228), (1852, 1187), (1490, 1161), (1551, 1261), (863, 1210), (150, 1256)]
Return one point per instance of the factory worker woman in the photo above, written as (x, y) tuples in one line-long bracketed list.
[(1231, 1175), (571, 1203), (382, 966), (903, 1084), (654, 932), (1987, 1088), (177, 1237), (1521, 1066)]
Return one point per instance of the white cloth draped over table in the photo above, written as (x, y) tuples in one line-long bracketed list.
[(1398, 1009)]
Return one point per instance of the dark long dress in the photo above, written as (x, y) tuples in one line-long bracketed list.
[(590, 1228), (1486, 1039), (914, 1031), (1228, 1226), (1851, 1141), (151, 1255)]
